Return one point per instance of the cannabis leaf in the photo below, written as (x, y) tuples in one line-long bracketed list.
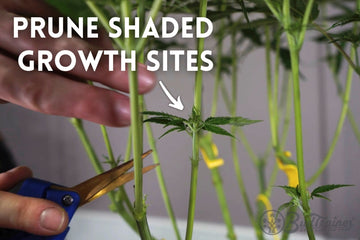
[(291, 191), (326, 188), (295, 195), (112, 163), (195, 123), (355, 17), (217, 130), (166, 119), (235, 121)]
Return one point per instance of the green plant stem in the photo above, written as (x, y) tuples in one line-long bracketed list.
[(153, 14), (272, 111), (299, 142), (247, 146), (276, 83), (137, 135), (121, 190), (161, 180), (353, 124), (196, 132), (350, 114), (289, 218), (275, 12), (306, 18), (294, 47), (340, 124), (107, 143), (217, 70), (241, 133), (78, 125), (217, 182), (225, 95), (104, 21), (193, 186), (285, 130), (287, 117), (242, 189), (236, 161), (261, 175), (272, 180), (215, 173), (128, 147)]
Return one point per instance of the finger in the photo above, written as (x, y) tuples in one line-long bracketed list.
[(10, 178), (57, 95), (115, 79), (32, 215)]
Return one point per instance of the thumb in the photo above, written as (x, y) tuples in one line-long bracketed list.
[(32, 215)]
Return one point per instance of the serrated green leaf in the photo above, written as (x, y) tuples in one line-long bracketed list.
[(320, 196), (216, 129), (235, 121), (327, 188), (354, 17), (154, 113), (166, 121), (291, 191), (158, 120), (171, 130), (175, 122), (284, 206)]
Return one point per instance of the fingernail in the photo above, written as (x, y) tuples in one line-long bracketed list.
[(52, 219)]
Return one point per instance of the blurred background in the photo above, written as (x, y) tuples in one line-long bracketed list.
[(51, 147)]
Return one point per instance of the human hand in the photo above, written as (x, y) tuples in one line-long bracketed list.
[(32, 215), (65, 95)]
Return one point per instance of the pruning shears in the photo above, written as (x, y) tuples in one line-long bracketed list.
[(74, 197)]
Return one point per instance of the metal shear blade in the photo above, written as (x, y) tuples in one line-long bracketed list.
[(101, 184)]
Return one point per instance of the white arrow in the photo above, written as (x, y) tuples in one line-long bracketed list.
[(177, 104)]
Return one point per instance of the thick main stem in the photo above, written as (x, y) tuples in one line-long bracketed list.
[(137, 135), (294, 53), (196, 131), (295, 41)]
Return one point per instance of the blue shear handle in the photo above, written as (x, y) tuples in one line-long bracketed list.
[(37, 188)]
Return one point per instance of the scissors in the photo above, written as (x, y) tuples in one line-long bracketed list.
[(74, 197)]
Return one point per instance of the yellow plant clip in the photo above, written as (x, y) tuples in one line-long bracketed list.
[(215, 162), (265, 200), (210, 152), (289, 168)]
